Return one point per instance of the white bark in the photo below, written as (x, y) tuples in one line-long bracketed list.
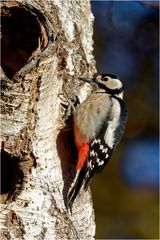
[(32, 119)]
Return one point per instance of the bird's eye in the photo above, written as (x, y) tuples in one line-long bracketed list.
[(106, 78)]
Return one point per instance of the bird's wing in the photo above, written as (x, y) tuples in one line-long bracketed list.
[(101, 148), (110, 134)]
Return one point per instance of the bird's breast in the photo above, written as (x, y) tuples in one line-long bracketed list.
[(90, 116)]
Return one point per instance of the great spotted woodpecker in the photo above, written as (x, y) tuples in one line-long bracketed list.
[(98, 124)]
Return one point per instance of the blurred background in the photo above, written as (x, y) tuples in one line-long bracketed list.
[(125, 195)]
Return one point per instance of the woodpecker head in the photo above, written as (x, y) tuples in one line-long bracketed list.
[(108, 83)]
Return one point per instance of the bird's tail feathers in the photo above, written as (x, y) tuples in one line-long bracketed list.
[(76, 186), (88, 178)]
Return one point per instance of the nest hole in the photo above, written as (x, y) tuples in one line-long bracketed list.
[(11, 175), (23, 37)]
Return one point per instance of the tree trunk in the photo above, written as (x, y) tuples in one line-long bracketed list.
[(46, 46)]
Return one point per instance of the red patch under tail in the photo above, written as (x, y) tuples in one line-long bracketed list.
[(83, 151)]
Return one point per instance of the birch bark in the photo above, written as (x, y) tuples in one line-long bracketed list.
[(46, 46)]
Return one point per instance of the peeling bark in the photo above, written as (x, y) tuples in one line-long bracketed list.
[(46, 46)]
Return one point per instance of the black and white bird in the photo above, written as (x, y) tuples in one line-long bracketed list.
[(99, 124)]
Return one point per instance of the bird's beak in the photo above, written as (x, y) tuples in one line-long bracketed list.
[(89, 80)]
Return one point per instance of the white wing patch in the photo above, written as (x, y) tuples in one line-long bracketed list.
[(109, 136)]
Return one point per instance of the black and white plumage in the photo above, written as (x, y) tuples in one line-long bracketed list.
[(99, 124)]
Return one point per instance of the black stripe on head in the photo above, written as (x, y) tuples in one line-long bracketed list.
[(110, 91), (108, 75)]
